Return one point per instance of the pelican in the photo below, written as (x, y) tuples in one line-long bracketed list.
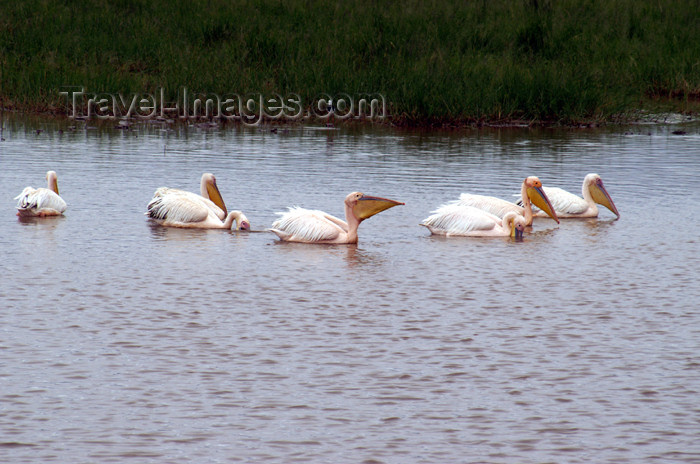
[(531, 192), (313, 226), (568, 205), (178, 208), (42, 201), (455, 219)]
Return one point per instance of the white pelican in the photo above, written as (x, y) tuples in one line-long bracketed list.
[(454, 219), (531, 191), (568, 205), (179, 208), (41, 201), (313, 226)]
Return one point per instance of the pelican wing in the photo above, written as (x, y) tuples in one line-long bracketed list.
[(207, 202), (41, 198), (490, 204), (455, 219), (308, 225), (565, 202), (179, 206)]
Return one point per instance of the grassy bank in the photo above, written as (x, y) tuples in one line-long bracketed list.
[(535, 60)]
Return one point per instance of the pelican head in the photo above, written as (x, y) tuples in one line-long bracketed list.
[(364, 206), (598, 192), (52, 181), (211, 190), (516, 223), (242, 222), (535, 193)]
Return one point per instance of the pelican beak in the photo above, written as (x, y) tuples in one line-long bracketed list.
[(601, 196), (516, 228), (539, 199), (54, 187), (369, 206), (215, 196)]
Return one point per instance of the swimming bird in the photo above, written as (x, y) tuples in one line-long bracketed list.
[(454, 219), (568, 205), (42, 201), (531, 192), (179, 208), (313, 226)]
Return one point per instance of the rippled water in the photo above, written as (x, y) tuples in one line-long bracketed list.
[(124, 342)]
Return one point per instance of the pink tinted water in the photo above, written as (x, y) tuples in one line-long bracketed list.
[(124, 342)]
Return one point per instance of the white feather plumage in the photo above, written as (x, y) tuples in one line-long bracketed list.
[(181, 206), (456, 219), (37, 201), (566, 202), (308, 225), (490, 204)]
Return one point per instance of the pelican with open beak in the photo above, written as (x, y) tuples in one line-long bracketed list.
[(313, 226), (531, 193)]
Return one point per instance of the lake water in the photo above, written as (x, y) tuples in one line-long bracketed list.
[(124, 342)]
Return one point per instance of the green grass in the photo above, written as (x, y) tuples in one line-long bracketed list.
[(565, 61)]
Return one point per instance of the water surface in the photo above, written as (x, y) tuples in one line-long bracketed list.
[(121, 341)]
